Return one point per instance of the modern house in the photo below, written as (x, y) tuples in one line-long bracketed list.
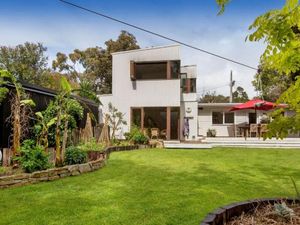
[(153, 90)]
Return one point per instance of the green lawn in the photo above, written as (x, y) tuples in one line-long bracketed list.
[(154, 187)]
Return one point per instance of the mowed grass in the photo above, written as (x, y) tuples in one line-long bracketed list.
[(155, 187)]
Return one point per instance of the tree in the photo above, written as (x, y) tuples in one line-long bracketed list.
[(240, 95), (25, 62), (212, 97), (280, 30), (93, 65), (115, 119), (20, 108), (270, 83), (63, 106)]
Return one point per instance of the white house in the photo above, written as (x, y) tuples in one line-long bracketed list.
[(217, 116), (153, 90)]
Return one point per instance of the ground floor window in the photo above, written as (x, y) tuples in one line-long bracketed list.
[(222, 117), (229, 117), (217, 117)]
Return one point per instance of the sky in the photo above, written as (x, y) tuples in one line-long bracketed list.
[(62, 28)]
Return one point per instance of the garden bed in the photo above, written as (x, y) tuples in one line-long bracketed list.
[(258, 211), (96, 160)]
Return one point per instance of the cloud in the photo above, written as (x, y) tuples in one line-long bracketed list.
[(66, 34)]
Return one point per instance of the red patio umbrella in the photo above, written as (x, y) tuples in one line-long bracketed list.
[(257, 104)]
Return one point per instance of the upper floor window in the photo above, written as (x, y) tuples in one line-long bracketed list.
[(154, 70), (188, 85)]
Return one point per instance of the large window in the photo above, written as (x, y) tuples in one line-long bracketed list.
[(148, 71), (222, 117), (154, 70), (217, 118)]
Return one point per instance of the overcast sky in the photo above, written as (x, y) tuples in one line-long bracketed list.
[(63, 28)]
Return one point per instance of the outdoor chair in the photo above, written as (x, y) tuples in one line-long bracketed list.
[(163, 134), (263, 129), (154, 133), (237, 131), (253, 129)]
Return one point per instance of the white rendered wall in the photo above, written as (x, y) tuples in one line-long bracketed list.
[(223, 130), (141, 93)]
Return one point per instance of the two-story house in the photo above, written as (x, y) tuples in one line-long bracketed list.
[(153, 90)]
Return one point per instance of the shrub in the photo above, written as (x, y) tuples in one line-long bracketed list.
[(74, 155), (136, 136), (91, 145), (33, 157)]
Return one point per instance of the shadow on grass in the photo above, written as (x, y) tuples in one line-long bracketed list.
[(128, 191)]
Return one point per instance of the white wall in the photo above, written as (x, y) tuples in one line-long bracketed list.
[(141, 93), (190, 111), (223, 130)]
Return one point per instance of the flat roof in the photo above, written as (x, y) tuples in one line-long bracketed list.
[(225, 104), (145, 49)]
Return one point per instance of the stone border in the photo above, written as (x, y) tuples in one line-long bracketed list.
[(66, 171), (224, 214)]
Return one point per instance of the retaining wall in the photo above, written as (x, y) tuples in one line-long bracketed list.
[(98, 161)]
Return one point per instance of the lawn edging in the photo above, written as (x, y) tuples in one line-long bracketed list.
[(98, 160), (224, 214)]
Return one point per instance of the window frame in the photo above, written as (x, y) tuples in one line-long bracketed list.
[(223, 118), (169, 71), (212, 118)]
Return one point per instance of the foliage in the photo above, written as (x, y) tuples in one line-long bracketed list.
[(20, 107), (2, 170), (3, 80), (270, 83), (42, 128), (74, 155), (279, 29), (49, 115), (86, 91), (91, 145), (136, 136), (96, 63), (116, 119), (26, 62), (281, 125), (211, 133), (222, 4), (240, 95), (33, 157), (66, 109), (283, 210), (212, 97), (296, 188)]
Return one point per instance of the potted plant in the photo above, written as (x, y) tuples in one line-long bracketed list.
[(211, 133)]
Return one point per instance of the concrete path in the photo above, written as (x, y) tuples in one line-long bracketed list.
[(236, 142)]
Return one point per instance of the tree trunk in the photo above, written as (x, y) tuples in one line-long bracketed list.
[(65, 138), (16, 125), (57, 141)]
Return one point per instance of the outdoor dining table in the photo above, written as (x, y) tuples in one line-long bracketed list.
[(245, 130)]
